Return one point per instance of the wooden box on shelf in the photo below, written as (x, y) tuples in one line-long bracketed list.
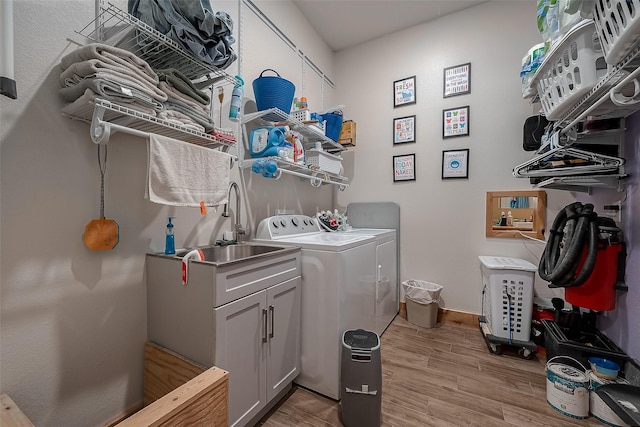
[(348, 133)]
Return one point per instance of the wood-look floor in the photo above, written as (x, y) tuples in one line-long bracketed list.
[(443, 376)]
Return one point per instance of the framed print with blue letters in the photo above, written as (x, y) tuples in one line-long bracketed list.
[(455, 164)]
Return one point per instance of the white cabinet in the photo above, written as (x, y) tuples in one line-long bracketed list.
[(258, 342), (242, 317)]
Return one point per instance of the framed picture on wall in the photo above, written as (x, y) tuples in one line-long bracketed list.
[(455, 164), (404, 167), (404, 91), (455, 122), (404, 129), (457, 80)]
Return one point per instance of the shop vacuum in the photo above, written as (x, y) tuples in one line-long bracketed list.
[(585, 254)]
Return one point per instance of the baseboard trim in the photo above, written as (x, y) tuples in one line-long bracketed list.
[(448, 316)]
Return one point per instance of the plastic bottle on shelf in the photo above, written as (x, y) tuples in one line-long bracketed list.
[(303, 103), (509, 219), (236, 100), (503, 219)]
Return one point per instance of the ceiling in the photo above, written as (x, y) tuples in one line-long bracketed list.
[(346, 23)]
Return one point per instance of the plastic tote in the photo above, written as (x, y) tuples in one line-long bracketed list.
[(273, 92), (422, 302)]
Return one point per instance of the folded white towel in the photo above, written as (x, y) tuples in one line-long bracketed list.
[(110, 56), (183, 174)]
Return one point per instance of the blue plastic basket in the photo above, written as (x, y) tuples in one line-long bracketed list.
[(273, 92)]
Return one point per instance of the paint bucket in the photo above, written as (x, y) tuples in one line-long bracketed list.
[(568, 388), (598, 408)]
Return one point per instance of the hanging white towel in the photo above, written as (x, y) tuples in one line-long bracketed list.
[(183, 174)]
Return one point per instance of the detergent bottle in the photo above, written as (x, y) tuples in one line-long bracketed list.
[(170, 243), (266, 140)]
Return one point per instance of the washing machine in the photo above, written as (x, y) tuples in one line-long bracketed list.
[(338, 292)]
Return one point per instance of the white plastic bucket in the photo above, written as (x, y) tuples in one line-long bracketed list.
[(568, 388), (598, 408)]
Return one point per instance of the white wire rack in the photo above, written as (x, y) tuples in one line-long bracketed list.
[(114, 27), (310, 137), (106, 118), (315, 176)]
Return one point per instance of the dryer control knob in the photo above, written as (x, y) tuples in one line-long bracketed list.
[(295, 222)]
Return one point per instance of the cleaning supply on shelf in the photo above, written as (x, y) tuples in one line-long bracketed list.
[(509, 219), (266, 141), (266, 168), (236, 100), (298, 150), (170, 243)]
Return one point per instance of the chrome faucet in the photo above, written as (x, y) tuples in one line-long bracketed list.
[(239, 230)]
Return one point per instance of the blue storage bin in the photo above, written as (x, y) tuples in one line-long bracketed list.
[(333, 125)]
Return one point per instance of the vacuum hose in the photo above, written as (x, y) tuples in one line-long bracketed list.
[(577, 224)]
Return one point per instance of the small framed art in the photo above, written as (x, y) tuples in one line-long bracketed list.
[(404, 91), (455, 164), (457, 80), (455, 122), (404, 167), (404, 129)]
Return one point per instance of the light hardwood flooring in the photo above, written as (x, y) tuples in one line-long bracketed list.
[(443, 376)]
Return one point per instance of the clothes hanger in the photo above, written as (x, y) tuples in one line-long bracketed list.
[(561, 161)]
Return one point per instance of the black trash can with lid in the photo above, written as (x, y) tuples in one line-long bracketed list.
[(361, 379)]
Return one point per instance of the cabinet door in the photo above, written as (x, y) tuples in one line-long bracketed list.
[(283, 346), (386, 285), (240, 336)]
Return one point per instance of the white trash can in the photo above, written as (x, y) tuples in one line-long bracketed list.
[(422, 302)]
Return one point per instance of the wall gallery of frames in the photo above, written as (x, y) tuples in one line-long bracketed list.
[(456, 81)]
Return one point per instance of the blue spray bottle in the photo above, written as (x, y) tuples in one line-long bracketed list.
[(170, 242), (236, 100)]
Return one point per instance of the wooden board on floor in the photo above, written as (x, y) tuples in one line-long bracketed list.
[(164, 371), (202, 401), (448, 316)]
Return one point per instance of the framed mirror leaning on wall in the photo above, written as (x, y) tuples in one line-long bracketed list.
[(516, 214)]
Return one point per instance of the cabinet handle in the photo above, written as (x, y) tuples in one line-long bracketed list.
[(271, 312), (379, 273), (264, 325)]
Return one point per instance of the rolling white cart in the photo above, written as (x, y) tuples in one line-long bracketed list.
[(507, 304)]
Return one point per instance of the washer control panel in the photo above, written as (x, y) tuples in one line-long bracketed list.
[(286, 225)]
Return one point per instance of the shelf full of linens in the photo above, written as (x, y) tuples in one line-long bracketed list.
[(131, 78), (115, 27)]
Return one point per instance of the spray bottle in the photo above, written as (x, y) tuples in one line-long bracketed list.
[(170, 243), (236, 100)]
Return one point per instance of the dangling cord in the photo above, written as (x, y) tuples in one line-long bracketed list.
[(103, 168)]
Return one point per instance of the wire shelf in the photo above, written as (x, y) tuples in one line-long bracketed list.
[(117, 28), (316, 176), (101, 113), (275, 115)]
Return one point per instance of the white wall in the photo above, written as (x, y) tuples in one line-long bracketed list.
[(72, 321), (443, 221)]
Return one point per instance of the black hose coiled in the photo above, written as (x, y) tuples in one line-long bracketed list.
[(577, 224)]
